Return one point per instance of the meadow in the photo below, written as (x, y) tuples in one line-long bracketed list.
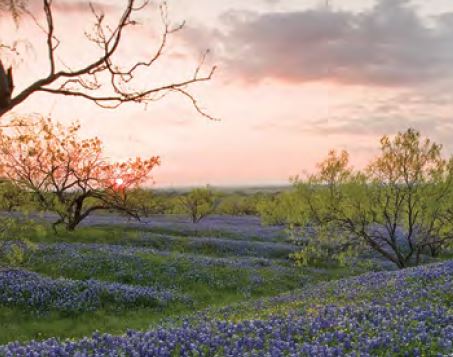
[(224, 287), (352, 257)]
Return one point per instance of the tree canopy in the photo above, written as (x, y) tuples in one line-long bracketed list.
[(68, 175), (199, 203), (400, 205)]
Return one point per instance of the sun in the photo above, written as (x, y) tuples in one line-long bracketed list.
[(119, 181)]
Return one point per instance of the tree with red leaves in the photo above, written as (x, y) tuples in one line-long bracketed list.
[(68, 175)]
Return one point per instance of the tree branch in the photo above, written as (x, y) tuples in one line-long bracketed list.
[(84, 83)]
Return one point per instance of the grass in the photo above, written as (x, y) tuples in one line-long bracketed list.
[(121, 234), (107, 235), (129, 236), (397, 313), (207, 286), (213, 233), (19, 325)]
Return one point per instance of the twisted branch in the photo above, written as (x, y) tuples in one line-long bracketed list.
[(84, 82)]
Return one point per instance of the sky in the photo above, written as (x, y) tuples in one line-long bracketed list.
[(295, 78)]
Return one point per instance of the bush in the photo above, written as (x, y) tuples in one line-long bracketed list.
[(281, 209), (14, 239)]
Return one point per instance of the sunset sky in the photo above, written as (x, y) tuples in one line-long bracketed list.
[(295, 79)]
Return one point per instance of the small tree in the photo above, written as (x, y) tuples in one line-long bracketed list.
[(411, 184), (14, 239), (15, 232), (316, 225), (279, 209), (68, 175), (239, 204), (401, 205), (12, 197), (199, 203), (146, 202)]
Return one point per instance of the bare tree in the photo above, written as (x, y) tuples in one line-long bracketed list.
[(15, 7), (103, 74)]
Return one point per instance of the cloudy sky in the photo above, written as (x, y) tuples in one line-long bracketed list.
[(295, 79)]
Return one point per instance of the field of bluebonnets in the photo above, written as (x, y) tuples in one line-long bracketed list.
[(223, 287), (343, 262)]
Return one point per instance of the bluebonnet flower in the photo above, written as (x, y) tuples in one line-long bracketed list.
[(42, 294), (405, 312)]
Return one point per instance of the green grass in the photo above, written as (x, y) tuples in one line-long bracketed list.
[(128, 236), (17, 324), (119, 233), (196, 232), (207, 286), (107, 235), (170, 271)]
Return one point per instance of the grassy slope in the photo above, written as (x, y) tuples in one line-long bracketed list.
[(16, 324), (414, 305)]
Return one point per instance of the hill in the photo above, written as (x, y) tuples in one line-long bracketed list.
[(407, 312)]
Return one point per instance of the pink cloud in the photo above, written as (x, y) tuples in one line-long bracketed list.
[(387, 45)]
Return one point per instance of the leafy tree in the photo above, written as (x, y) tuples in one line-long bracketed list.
[(12, 197), (14, 239), (314, 226), (401, 205), (104, 80), (232, 204), (199, 203), (146, 202), (238, 204), (68, 175), (412, 185), (280, 209), (173, 204)]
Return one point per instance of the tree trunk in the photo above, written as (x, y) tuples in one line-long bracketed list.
[(55, 224), (194, 215), (6, 87), (401, 264), (72, 223), (70, 227), (417, 259), (434, 250)]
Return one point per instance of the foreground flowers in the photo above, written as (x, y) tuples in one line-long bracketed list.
[(407, 313), (41, 294)]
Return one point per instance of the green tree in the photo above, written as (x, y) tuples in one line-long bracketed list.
[(146, 202), (284, 208), (400, 206), (12, 197), (14, 239), (316, 227), (239, 204), (199, 203)]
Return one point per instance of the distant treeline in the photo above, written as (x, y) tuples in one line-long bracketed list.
[(205, 200), (153, 202)]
